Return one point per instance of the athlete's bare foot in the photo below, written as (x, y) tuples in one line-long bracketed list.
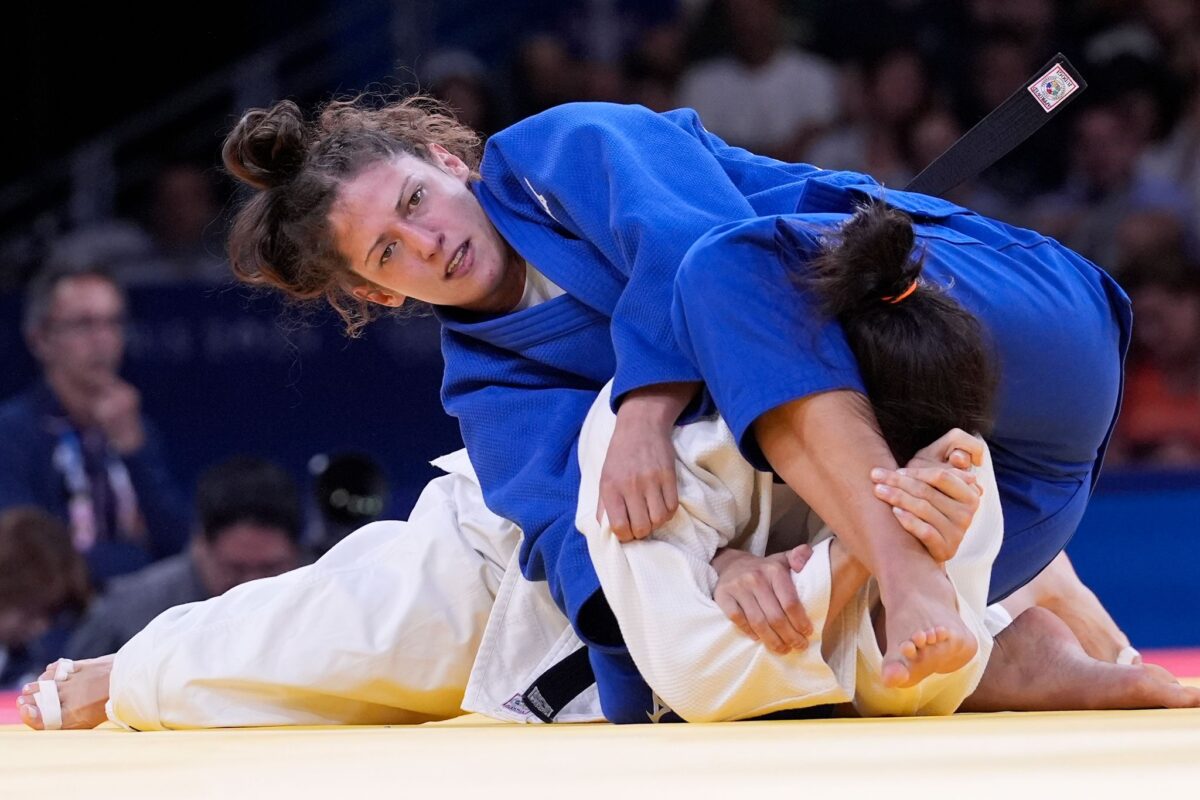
[(82, 695), (923, 633), (1037, 664)]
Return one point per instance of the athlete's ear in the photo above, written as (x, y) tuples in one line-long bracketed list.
[(449, 162), (377, 295)]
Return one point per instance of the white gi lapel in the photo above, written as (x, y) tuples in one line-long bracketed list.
[(525, 636)]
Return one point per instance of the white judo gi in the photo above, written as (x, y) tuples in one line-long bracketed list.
[(405, 622)]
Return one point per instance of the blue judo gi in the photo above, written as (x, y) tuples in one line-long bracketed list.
[(606, 201)]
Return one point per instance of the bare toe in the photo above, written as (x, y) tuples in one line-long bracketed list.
[(30, 715)]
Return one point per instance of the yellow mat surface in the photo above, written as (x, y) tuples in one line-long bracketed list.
[(1075, 756)]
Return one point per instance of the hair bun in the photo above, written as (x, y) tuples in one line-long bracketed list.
[(267, 146), (868, 259), (878, 244)]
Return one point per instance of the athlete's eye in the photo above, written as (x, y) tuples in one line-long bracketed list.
[(387, 253), (415, 199)]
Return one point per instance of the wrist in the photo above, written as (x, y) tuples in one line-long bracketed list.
[(659, 404)]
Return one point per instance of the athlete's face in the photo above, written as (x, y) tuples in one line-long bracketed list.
[(413, 228)]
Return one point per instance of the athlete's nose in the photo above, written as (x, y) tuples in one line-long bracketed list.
[(422, 242)]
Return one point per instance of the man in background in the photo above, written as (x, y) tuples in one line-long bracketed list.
[(248, 527), (76, 443)]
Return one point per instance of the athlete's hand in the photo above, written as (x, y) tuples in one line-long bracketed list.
[(758, 595), (957, 448), (934, 496), (638, 489)]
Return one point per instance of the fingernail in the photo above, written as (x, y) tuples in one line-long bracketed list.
[(878, 474), (881, 490), (897, 511), (901, 471)]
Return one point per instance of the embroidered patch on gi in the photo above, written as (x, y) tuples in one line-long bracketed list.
[(1053, 87), (516, 705), (539, 702)]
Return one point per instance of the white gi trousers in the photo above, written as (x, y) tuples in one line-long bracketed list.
[(382, 629)]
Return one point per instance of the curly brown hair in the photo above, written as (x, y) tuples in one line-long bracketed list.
[(281, 237)]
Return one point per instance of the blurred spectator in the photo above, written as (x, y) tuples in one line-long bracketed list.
[(183, 243), (1160, 417), (895, 92), (1030, 21), (1176, 26), (545, 74), (1147, 236), (1177, 156), (41, 578), (460, 80), (652, 69), (248, 514), (1107, 182), (184, 223), (76, 443), (350, 490), (764, 95)]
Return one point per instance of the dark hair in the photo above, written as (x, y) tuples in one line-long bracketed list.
[(246, 489), (281, 237), (39, 294), (39, 567), (923, 358)]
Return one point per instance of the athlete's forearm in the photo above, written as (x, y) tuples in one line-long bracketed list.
[(825, 446)]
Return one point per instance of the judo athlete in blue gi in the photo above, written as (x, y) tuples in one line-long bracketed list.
[(553, 269)]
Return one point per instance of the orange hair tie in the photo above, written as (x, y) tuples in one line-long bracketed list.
[(893, 300)]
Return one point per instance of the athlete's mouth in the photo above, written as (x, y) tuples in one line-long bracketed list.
[(457, 260)]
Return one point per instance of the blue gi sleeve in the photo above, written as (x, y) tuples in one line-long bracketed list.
[(640, 188), (520, 421), (759, 339)]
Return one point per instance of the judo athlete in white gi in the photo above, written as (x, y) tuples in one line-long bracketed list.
[(406, 622), (402, 619)]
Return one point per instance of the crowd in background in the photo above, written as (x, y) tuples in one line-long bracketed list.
[(879, 86)]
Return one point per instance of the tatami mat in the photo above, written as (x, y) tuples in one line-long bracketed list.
[(1075, 756)]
